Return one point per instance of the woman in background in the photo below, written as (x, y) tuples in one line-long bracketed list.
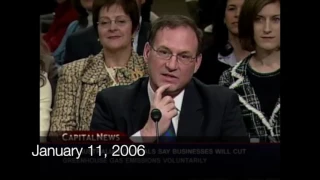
[(45, 92), (84, 9), (256, 79), (225, 50), (64, 15), (116, 21), (49, 65)]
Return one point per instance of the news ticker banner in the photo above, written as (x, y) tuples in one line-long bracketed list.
[(95, 150), (258, 159), (119, 137)]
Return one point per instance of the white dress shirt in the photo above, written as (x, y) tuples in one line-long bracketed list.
[(178, 103), (230, 60)]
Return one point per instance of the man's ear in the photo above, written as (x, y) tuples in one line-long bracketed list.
[(146, 52), (198, 63)]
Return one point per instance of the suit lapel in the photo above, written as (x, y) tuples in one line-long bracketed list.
[(191, 115), (143, 37), (140, 107)]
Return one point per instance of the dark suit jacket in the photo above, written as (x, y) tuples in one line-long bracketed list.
[(207, 111), (85, 43), (211, 68)]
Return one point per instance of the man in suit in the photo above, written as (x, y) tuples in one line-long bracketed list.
[(85, 43), (188, 107)]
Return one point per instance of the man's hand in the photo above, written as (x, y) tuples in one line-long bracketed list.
[(168, 110)]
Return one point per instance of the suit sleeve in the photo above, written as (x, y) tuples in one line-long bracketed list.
[(102, 117), (233, 127), (64, 110)]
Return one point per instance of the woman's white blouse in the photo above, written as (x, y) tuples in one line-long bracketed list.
[(45, 107)]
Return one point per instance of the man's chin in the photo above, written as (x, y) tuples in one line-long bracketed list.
[(172, 91)]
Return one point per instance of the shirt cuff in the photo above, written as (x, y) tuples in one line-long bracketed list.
[(136, 137)]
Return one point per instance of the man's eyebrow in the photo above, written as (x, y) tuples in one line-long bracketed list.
[(185, 52), (164, 47)]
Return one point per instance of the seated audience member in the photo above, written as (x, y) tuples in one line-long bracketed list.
[(117, 64), (84, 8), (64, 15), (85, 43), (50, 66), (45, 94), (188, 107), (256, 79), (225, 50)]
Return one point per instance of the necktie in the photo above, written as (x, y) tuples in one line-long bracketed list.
[(169, 135)]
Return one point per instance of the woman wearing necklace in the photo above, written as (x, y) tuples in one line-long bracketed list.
[(117, 64), (225, 50), (256, 79)]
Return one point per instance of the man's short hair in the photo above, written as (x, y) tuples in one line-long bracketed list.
[(130, 7), (248, 15), (175, 21)]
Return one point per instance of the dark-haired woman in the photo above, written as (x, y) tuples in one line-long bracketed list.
[(225, 50), (256, 79), (117, 64)]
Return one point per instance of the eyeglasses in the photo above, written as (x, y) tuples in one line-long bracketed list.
[(167, 55), (107, 23)]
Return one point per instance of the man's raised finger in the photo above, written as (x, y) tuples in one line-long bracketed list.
[(159, 92)]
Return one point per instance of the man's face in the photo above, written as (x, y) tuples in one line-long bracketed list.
[(182, 43)]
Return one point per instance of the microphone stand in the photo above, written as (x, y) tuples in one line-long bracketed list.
[(157, 132), (156, 116)]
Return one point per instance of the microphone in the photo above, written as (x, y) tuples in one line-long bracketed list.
[(156, 116)]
